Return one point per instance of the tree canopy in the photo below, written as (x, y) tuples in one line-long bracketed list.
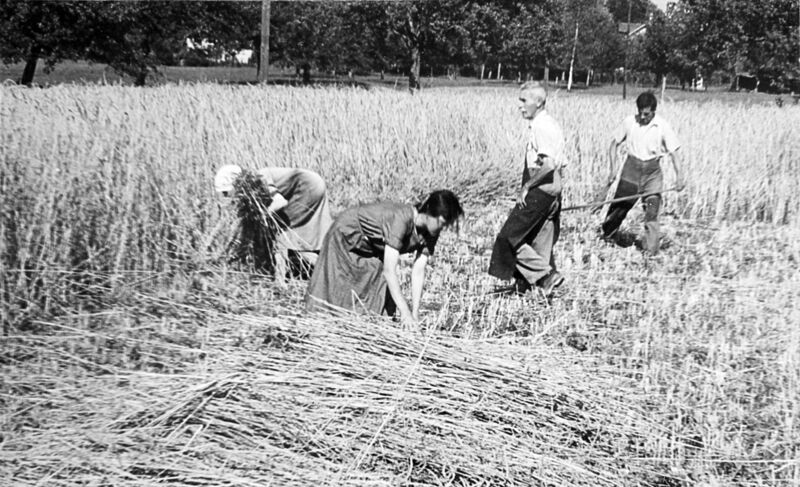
[(52, 31), (738, 35), (413, 37)]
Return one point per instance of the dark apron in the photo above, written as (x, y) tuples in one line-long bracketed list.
[(638, 177), (521, 226)]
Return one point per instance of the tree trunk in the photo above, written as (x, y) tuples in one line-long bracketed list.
[(257, 52), (141, 77), (572, 59), (413, 41), (413, 74), (30, 65)]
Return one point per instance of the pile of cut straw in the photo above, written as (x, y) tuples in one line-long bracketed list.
[(306, 400)]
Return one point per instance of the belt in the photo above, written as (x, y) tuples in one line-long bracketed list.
[(643, 161)]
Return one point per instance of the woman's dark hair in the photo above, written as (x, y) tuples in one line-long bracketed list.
[(442, 203), (645, 100)]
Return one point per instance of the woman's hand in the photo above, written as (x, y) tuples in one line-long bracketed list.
[(391, 258), (410, 321), (278, 203)]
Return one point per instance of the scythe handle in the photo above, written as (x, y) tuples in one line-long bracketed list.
[(617, 200)]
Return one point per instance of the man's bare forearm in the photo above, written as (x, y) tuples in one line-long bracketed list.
[(547, 168), (612, 161)]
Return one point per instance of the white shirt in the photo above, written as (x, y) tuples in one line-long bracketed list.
[(545, 137), (645, 142)]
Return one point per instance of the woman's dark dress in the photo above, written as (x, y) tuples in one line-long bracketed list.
[(349, 271)]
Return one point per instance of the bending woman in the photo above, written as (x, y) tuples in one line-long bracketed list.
[(298, 201), (357, 265)]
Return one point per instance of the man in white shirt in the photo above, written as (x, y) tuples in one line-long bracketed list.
[(524, 247), (648, 138)]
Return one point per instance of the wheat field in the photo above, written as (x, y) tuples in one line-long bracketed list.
[(133, 353)]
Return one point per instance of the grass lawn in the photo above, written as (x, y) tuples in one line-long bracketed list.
[(84, 72)]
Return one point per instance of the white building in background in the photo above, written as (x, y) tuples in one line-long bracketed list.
[(243, 56), (636, 29), (204, 44)]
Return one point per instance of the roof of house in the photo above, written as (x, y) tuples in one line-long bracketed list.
[(636, 28)]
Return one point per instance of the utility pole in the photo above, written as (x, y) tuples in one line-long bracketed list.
[(263, 61), (627, 54)]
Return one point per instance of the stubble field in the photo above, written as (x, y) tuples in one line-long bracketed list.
[(133, 353)]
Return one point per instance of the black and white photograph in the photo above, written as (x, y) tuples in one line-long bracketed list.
[(370, 243)]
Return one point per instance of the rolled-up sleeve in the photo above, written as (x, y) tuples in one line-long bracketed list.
[(548, 140), (669, 138), (394, 229), (621, 132)]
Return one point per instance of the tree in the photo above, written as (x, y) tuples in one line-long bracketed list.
[(604, 47), (303, 34), (52, 31), (589, 36), (774, 39), (738, 35), (132, 37), (658, 47), (640, 10), (533, 33), (367, 43), (486, 23), (426, 27), (229, 26), (135, 38)]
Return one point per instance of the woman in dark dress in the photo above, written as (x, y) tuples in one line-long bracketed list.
[(357, 265)]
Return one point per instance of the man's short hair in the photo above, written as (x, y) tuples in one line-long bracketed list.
[(645, 100), (530, 85), (535, 88)]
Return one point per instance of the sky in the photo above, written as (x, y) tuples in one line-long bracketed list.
[(662, 4)]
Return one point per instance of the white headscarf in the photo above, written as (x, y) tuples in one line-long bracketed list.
[(225, 177)]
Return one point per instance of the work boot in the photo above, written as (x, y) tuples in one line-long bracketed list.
[(550, 282), (611, 238), (519, 287)]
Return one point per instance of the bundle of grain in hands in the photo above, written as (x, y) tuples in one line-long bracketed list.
[(306, 400), (255, 242)]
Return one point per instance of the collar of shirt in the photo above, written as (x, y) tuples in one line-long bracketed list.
[(655, 122), (541, 112)]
